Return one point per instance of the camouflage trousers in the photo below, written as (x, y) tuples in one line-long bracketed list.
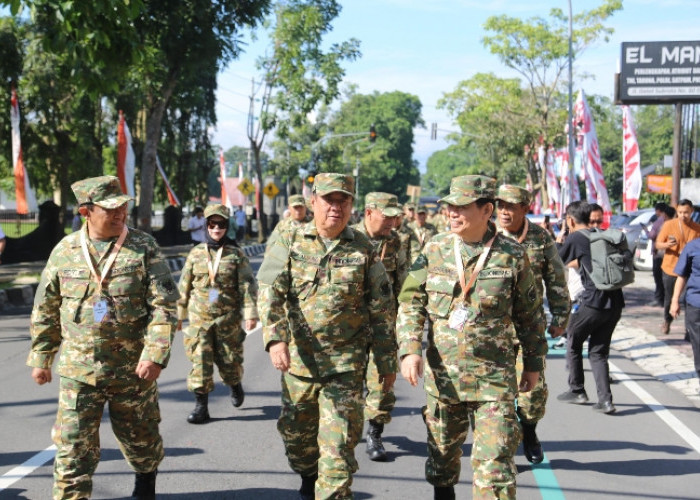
[(134, 414), (378, 404), (496, 438), (211, 342), (531, 404), (320, 425)]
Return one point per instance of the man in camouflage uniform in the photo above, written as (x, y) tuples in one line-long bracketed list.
[(380, 211), (421, 232), (471, 376), (107, 298), (513, 205), (217, 291), (338, 301), (297, 217), (404, 229)]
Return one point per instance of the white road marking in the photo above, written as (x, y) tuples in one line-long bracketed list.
[(11, 477), (660, 410)]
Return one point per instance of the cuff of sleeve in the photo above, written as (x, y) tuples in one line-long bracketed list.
[(387, 364), (250, 313), (560, 321), (40, 360), (181, 313), (533, 364), (413, 346)]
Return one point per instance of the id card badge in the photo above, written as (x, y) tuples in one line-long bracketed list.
[(99, 309), (213, 295), (458, 317)]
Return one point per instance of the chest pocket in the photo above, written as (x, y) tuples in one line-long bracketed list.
[(441, 291), (74, 286), (347, 280), (494, 288), (303, 277), (126, 288)]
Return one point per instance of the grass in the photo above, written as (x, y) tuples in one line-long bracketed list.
[(12, 230)]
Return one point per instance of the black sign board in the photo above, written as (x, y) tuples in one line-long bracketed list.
[(660, 72)]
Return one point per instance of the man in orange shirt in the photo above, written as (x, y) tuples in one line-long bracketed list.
[(673, 237)]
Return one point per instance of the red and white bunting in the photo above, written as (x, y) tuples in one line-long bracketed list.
[(632, 186), (552, 183), (590, 161), (126, 159), (26, 200)]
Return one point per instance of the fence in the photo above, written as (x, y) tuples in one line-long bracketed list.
[(15, 225)]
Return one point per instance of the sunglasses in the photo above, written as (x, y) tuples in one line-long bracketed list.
[(221, 224)]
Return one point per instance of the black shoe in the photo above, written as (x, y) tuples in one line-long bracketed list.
[(145, 486), (531, 445), (605, 407), (308, 486), (577, 398), (237, 395), (560, 344), (444, 492), (375, 448), (200, 414)]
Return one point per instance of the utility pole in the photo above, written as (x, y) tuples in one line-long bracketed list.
[(571, 104)]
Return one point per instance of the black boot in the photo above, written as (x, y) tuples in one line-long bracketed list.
[(375, 448), (145, 486), (531, 445), (200, 414), (237, 395), (308, 487), (444, 492)]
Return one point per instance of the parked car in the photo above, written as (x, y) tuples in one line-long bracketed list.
[(643, 258), (633, 228)]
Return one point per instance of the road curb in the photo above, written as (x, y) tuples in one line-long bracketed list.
[(23, 295)]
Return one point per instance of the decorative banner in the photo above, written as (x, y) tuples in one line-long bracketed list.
[(595, 181), (552, 183), (126, 160), (26, 200), (172, 198), (659, 184), (632, 185)]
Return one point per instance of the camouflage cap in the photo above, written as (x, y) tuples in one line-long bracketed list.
[(297, 200), (327, 183), (104, 191), (387, 203), (216, 209), (467, 189), (513, 194), (409, 205), (422, 209)]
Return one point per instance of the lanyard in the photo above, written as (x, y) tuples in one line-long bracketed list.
[(479, 265), (420, 238), (680, 228), (99, 278), (522, 236), (383, 251), (213, 269)]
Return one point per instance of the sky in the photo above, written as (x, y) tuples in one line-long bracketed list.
[(426, 47)]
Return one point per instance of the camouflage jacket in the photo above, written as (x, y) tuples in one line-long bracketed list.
[(419, 237), (284, 225), (395, 260), (339, 302), (140, 321), (234, 281), (478, 362), (549, 271)]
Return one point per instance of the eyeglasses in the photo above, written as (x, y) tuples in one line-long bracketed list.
[(221, 224)]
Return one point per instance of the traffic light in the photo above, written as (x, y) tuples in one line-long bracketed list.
[(310, 176), (372, 133)]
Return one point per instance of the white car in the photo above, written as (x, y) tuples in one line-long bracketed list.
[(643, 258)]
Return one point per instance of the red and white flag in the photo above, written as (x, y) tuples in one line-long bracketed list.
[(590, 161), (552, 183), (26, 200), (172, 197), (126, 160), (632, 185)]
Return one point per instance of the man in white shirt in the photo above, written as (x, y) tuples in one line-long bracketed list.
[(196, 226)]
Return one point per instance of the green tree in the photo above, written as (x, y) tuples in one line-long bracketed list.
[(443, 165), (298, 74), (537, 49), (387, 164)]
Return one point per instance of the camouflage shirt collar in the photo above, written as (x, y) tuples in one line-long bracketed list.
[(309, 229)]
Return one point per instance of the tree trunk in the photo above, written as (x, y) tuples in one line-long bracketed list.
[(262, 218), (150, 150)]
